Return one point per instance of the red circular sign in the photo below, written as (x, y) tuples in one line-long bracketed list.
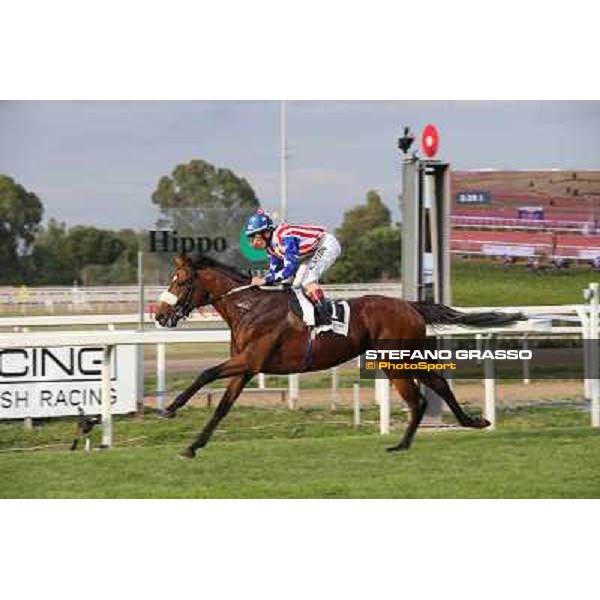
[(430, 141)]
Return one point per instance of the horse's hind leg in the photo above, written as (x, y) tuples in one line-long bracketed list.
[(440, 386), (417, 406)]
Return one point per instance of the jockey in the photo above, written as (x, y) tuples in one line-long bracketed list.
[(299, 254)]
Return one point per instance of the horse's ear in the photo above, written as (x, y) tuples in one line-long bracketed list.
[(182, 260)]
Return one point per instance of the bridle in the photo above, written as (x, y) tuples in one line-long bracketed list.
[(185, 302), (183, 305)]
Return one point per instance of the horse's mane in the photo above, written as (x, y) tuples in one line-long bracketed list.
[(202, 261)]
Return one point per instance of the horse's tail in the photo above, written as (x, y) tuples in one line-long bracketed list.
[(439, 314)]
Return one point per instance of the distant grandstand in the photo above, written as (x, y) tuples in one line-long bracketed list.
[(543, 214)]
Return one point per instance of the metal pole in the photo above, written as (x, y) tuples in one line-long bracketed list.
[(107, 434), (140, 268), (284, 157), (431, 272), (139, 353), (356, 404), (161, 383), (334, 388), (594, 353), (411, 227)]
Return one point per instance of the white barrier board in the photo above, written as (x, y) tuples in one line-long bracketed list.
[(53, 382), (499, 250)]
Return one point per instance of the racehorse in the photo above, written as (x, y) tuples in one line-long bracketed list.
[(268, 337)]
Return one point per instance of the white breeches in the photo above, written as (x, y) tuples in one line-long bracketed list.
[(324, 256)]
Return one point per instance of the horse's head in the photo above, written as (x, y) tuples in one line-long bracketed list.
[(183, 294)]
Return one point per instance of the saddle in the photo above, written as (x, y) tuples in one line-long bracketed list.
[(339, 313)]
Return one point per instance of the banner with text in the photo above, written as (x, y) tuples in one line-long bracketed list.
[(54, 382), (466, 358)]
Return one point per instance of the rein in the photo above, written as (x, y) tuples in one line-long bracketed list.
[(240, 288), (185, 305)]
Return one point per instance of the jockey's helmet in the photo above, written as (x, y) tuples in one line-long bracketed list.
[(258, 222)]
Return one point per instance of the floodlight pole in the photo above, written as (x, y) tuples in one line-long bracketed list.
[(293, 378), (425, 237), (284, 158)]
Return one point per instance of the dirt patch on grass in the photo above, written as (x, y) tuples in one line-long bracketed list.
[(507, 394)]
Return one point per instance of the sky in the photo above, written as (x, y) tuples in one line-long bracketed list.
[(98, 162)]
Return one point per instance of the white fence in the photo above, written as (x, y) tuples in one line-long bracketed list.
[(108, 340), (81, 299), (585, 318)]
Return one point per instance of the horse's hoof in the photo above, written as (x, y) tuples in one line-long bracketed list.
[(166, 414), (398, 448), (188, 453), (480, 423)]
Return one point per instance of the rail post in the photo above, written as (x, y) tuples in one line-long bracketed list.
[(585, 335), (356, 404), (526, 366), (382, 386), (107, 433), (490, 390), (334, 388), (161, 380), (294, 390)]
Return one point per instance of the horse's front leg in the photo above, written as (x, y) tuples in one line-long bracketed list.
[(250, 360), (232, 367), (235, 387)]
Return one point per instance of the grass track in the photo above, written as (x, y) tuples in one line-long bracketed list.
[(516, 285), (537, 453), (526, 458)]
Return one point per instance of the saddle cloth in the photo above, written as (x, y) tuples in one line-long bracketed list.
[(339, 311)]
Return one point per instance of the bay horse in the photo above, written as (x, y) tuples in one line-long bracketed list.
[(267, 337)]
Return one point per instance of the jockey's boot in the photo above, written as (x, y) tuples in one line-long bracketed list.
[(317, 297)]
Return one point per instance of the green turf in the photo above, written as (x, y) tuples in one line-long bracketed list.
[(347, 376), (535, 453), (516, 285)]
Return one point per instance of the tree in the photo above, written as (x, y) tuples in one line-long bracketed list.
[(201, 200), (370, 244), (201, 185), (120, 272), (92, 246), (115, 260), (361, 219), (378, 253), (84, 254), (20, 215), (51, 261)]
